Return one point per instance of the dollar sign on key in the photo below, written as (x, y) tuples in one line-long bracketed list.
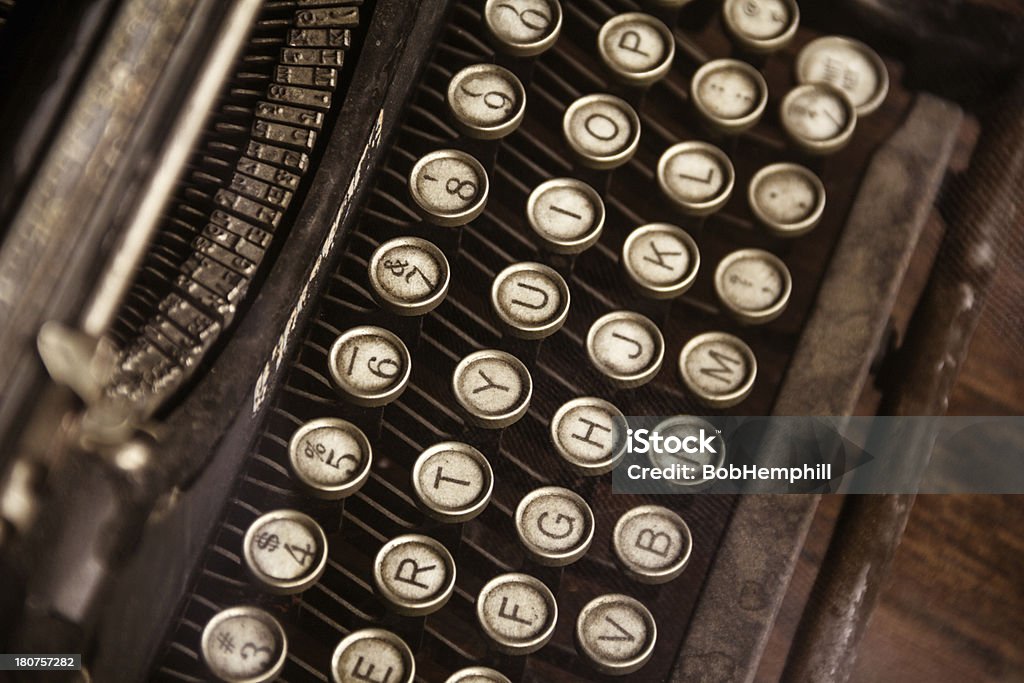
[(268, 542)]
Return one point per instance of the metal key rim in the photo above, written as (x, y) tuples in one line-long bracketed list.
[(669, 291), (286, 586), (538, 641), (257, 614), (449, 219), (665, 426), (462, 514), (498, 130), (589, 469), (637, 661), (881, 71), (787, 229), (729, 399), (319, 489), (567, 246), (405, 606), (561, 558), (378, 398), (747, 316), (628, 381), (653, 576), (827, 146), (602, 162), (515, 412), (649, 76), (532, 48), (400, 306), (374, 634), (763, 45), (478, 672), (521, 330), (708, 206), (735, 125)]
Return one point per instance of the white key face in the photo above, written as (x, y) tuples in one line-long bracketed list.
[(331, 456), (850, 66), (753, 284), (369, 362), (518, 23), (531, 297), (247, 644), (695, 176), (787, 197), (652, 542), (635, 44), (447, 185), (453, 479), (566, 213), (516, 611), (486, 97), (760, 19), (588, 433), (615, 631), (372, 654), (684, 427), (493, 387), (817, 116), (717, 367), (660, 258), (602, 129), (555, 523), (284, 549), (624, 346), (409, 273), (729, 93), (414, 570), (477, 674)]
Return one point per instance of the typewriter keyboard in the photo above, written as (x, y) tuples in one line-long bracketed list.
[(590, 210)]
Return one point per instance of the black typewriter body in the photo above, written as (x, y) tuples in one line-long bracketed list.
[(261, 262)]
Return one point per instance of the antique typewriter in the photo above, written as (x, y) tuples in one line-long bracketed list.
[(322, 385)]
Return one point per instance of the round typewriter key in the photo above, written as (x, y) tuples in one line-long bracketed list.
[(697, 177), (603, 131), (652, 544), (523, 28), (415, 574), (761, 26), (244, 645), (369, 365), (589, 434), (330, 457), (531, 300), (477, 674), (517, 612), (448, 187), (849, 65), (754, 285), (718, 368), (487, 101), (788, 199), (696, 456), (493, 388), (285, 550), (371, 652), (408, 276), (555, 525), (818, 117), (636, 47), (661, 260), (626, 347), (566, 214), (731, 95), (616, 633), (453, 481)]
